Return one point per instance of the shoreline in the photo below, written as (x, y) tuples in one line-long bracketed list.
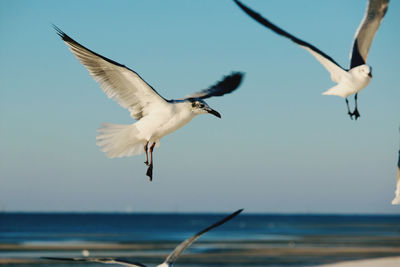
[(375, 262), (236, 254)]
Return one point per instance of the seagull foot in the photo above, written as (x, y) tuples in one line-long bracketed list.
[(150, 172), (146, 162), (356, 114), (351, 115)]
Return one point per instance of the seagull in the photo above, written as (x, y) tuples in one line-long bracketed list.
[(396, 200), (357, 77), (155, 115), (169, 261)]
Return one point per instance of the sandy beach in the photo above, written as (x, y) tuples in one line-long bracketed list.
[(387, 262)]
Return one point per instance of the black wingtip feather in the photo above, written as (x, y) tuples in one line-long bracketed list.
[(229, 83), (60, 33), (69, 40), (65, 37), (224, 220)]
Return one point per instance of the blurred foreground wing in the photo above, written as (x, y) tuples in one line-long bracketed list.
[(182, 246), (376, 10), (227, 85), (100, 260), (123, 85)]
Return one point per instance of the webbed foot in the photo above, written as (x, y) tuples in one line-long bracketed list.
[(350, 114), (356, 114), (150, 172)]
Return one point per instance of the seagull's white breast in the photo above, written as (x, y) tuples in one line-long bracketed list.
[(164, 120), (351, 82), (356, 80)]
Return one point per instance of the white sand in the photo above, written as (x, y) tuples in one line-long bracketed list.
[(379, 262)]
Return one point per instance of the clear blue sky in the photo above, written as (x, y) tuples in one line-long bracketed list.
[(280, 146)]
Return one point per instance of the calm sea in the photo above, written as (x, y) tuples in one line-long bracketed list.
[(247, 240)]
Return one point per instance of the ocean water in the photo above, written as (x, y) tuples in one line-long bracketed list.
[(247, 240)]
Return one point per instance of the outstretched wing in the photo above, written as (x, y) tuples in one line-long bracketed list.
[(376, 10), (334, 68), (100, 260), (227, 85), (118, 82), (182, 246)]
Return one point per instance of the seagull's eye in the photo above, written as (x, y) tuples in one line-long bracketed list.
[(201, 105)]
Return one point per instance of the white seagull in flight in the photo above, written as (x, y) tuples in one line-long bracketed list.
[(156, 115), (356, 78), (169, 261)]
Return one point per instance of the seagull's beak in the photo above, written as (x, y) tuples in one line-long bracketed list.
[(215, 113)]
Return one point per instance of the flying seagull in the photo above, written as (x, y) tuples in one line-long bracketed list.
[(349, 81), (169, 261), (396, 200), (156, 115)]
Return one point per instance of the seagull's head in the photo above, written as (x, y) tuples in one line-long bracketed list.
[(199, 106), (365, 70)]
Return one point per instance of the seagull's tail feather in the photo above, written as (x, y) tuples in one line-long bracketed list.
[(337, 90), (119, 140)]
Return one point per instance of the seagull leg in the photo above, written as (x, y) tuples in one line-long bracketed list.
[(348, 109), (150, 168), (355, 112), (145, 151)]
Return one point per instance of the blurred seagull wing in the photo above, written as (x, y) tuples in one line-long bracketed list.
[(329, 63), (227, 85), (376, 10), (100, 260), (182, 246), (123, 85)]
